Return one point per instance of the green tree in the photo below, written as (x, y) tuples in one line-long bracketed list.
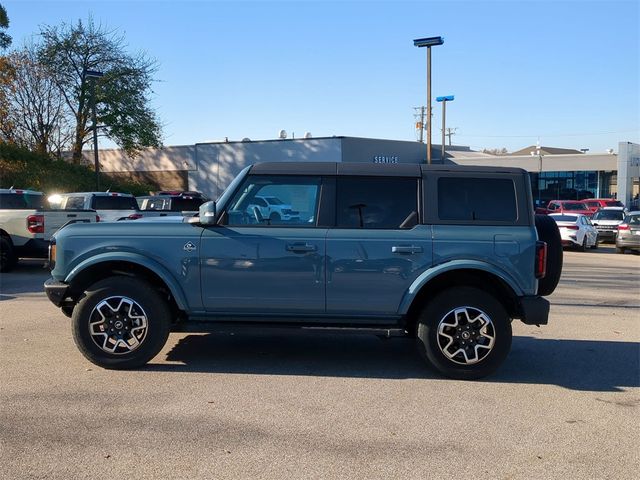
[(5, 39), (122, 95)]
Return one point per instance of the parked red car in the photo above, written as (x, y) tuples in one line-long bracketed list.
[(565, 206), (595, 204)]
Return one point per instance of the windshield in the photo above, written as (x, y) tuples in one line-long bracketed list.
[(609, 215), (633, 220), (565, 218), (224, 198)]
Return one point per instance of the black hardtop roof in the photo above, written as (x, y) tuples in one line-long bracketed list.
[(369, 169)]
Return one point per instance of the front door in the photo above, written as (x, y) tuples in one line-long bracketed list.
[(268, 255)]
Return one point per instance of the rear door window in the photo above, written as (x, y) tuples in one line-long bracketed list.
[(376, 203)]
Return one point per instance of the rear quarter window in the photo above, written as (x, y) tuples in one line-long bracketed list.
[(477, 199)]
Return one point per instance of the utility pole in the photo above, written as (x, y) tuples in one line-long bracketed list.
[(450, 132)]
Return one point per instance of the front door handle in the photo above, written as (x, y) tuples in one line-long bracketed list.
[(406, 249), (301, 247)]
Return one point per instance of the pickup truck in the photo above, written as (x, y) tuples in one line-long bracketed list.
[(110, 206), (565, 206), (409, 250), (26, 226)]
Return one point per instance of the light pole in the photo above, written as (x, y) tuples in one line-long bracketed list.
[(93, 75), (428, 42), (444, 100)]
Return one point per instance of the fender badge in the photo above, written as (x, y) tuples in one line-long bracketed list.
[(189, 247)]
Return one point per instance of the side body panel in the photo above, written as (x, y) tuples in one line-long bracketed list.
[(369, 271), (263, 270)]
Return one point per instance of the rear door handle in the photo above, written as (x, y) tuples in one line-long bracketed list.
[(301, 247), (406, 249)]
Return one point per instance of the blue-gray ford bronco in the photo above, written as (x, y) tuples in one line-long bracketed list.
[(449, 255)]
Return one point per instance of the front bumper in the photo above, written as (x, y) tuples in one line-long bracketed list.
[(604, 234), (56, 291), (534, 310)]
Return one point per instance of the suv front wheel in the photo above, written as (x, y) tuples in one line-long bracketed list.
[(121, 322), (465, 333)]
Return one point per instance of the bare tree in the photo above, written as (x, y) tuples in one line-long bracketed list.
[(35, 116)]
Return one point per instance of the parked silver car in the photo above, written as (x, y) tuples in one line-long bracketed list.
[(629, 233)]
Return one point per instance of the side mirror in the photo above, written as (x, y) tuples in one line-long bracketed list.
[(207, 213)]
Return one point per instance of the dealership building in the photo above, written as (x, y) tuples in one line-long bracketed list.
[(209, 167)]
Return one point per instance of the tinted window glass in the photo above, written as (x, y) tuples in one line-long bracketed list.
[(613, 203), (21, 200), (633, 220), (376, 202), (114, 203), (186, 204), (565, 218), (298, 199), (480, 199), (574, 206)]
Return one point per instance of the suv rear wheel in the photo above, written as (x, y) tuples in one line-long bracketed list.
[(121, 322), (465, 333)]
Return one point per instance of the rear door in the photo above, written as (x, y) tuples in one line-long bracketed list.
[(378, 246)]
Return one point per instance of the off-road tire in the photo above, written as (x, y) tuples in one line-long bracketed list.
[(549, 233), (147, 302), (8, 257), (440, 310)]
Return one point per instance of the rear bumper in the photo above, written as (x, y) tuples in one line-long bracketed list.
[(534, 310), (628, 241), (34, 248), (56, 291)]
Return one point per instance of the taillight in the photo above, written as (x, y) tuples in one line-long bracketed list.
[(35, 223), (541, 259), (97, 218), (572, 227), (134, 216), (623, 226)]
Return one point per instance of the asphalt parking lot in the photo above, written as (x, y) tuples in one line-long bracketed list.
[(566, 403)]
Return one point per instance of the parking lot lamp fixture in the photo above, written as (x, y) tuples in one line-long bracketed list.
[(94, 75), (444, 100), (428, 43)]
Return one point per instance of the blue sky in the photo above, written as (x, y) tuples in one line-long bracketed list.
[(566, 72)]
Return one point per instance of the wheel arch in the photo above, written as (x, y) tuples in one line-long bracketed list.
[(479, 278), (89, 271)]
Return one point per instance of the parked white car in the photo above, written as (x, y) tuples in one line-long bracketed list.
[(576, 230)]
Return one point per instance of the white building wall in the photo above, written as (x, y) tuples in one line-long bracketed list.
[(216, 164), (628, 169)]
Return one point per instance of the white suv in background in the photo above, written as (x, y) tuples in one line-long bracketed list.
[(273, 209), (110, 206)]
